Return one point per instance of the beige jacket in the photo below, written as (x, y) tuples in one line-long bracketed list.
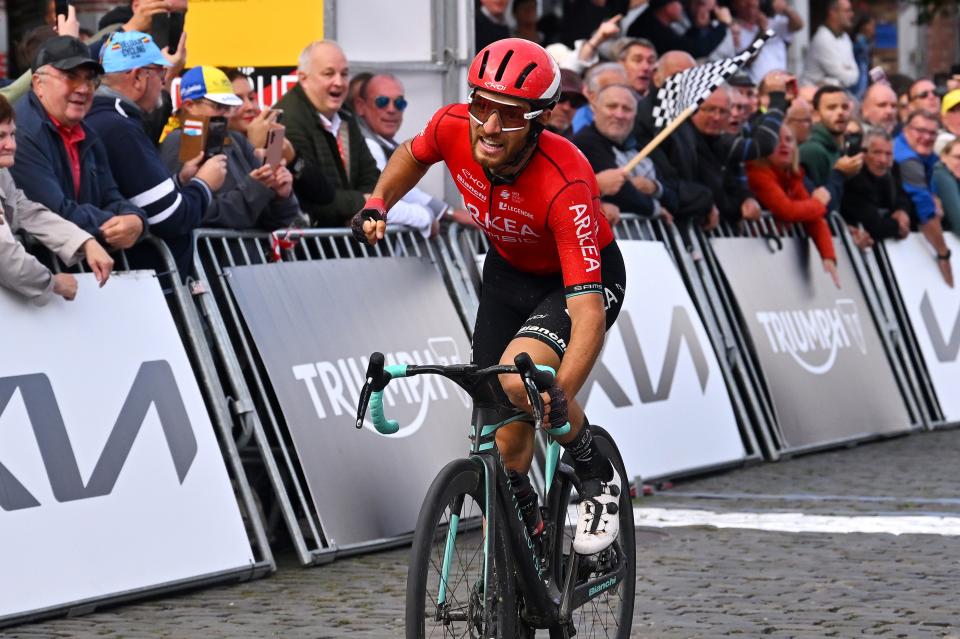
[(20, 271)]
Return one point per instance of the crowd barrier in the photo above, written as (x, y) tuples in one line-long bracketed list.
[(732, 347), (107, 441)]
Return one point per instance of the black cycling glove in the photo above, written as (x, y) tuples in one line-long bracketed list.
[(374, 210)]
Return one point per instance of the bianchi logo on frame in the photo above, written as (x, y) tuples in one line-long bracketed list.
[(813, 338)]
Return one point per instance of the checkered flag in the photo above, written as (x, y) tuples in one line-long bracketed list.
[(693, 86)]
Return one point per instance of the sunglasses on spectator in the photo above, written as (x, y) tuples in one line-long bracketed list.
[(930, 133), (76, 77), (575, 99), (382, 101), (923, 95), (513, 117)]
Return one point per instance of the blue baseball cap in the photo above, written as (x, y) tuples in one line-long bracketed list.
[(128, 50), (210, 83)]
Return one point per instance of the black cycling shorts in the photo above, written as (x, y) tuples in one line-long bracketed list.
[(516, 304)]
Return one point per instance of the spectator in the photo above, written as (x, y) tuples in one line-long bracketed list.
[(874, 197), (821, 156), (356, 82), (676, 165), (581, 18), (950, 119), (747, 96), (131, 89), (608, 145), (749, 22), (332, 144), (62, 164), (490, 22), (879, 108), (254, 195), (913, 153), (739, 108), (639, 58), (571, 99), (586, 53), (777, 181), (830, 57), (923, 97), (654, 25), (776, 80), (604, 74), (800, 119), (19, 271), (862, 34), (525, 17), (379, 107), (946, 179), (721, 155), (700, 16), (249, 108)]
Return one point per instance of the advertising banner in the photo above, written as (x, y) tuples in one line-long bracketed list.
[(821, 356), (657, 385), (111, 479), (934, 311), (315, 325)]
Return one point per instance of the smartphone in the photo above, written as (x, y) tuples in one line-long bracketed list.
[(166, 29), (216, 132), (62, 8), (852, 143), (877, 74), (275, 137), (279, 113)]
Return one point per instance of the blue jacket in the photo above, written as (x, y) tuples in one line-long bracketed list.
[(42, 171), (173, 212), (916, 171)]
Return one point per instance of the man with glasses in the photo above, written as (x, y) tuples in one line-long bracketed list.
[(379, 106), (923, 96), (131, 90), (325, 136), (254, 195), (913, 153), (553, 280), (571, 99), (61, 162)]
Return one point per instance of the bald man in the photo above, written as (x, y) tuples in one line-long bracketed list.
[(327, 139), (879, 108), (674, 159)]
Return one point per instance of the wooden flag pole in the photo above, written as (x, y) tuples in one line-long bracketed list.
[(660, 137)]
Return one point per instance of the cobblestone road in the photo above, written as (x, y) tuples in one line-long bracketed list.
[(691, 581)]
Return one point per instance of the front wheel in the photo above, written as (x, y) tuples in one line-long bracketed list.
[(609, 614), (446, 586)]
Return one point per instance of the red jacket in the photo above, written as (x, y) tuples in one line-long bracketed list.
[(785, 196)]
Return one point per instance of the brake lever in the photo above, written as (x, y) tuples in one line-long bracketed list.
[(373, 381)]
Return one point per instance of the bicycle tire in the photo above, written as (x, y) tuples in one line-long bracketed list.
[(611, 613), (461, 613)]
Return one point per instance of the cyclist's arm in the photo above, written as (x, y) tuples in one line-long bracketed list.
[(588, 320), (401, 174)]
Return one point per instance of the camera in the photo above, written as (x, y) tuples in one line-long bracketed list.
[(852, 143)]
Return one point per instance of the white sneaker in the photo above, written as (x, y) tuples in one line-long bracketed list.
[(598, 519)]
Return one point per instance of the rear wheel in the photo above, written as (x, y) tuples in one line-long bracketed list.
[(611, 613), (445, 580)]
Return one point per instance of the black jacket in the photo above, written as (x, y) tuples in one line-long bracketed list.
[(869, 200), (697, 42), (599, 152)]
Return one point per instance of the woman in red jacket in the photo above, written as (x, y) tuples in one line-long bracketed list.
[(777, 181)]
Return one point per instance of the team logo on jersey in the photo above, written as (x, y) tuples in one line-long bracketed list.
[(473, 184)]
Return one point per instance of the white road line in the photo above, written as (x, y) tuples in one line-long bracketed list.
[(799, 522)]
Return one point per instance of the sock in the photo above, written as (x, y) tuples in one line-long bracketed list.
[(588, 461), (527, 500)]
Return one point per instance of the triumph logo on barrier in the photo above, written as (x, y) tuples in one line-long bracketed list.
[(153, 386), (334, 386), (945, 349), (814, 337)]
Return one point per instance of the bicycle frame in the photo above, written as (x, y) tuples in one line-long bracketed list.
[(547, 605)]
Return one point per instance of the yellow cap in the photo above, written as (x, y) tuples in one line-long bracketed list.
[(950, 100)]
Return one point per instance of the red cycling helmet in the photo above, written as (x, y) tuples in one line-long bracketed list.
[(517, 68)]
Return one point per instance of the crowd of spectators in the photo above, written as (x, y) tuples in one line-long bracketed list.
[(104, 159)]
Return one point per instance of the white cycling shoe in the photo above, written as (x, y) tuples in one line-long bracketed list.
[(598, 519)]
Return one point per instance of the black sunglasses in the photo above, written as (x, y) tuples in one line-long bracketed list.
[(381, 102), (575, 99)]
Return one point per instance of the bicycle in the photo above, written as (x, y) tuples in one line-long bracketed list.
[(474, 569)]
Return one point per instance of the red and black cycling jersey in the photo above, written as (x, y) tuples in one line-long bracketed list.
[(547, 221)]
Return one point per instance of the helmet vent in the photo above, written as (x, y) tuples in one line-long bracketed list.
[(483, 63), (503, 66), (523, 75)]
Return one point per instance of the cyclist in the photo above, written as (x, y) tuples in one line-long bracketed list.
[(554, 281)]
